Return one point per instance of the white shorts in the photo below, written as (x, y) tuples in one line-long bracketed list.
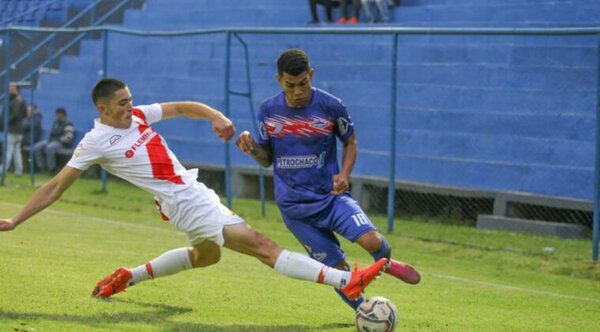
[(198, 212)]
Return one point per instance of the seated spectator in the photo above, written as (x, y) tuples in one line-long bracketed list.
[(328, 4), (32, 122), (61, 136), (381, 7), (346, 19)]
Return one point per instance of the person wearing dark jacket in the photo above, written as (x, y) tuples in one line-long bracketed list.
[(18, 109), (61, 136), (32, 122)]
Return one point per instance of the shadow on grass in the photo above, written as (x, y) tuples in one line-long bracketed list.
[(157, 316)]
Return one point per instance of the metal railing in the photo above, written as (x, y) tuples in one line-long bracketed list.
[(393, 34), (51, 38)]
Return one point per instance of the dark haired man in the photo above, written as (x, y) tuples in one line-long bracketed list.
[(61, 135), (123, 143), (298, 130)]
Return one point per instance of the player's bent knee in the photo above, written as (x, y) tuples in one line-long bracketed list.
[(205, 255)]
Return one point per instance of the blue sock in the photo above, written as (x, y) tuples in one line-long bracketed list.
[(383, 251), (354, 304)]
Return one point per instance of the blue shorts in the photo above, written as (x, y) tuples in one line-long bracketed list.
[(343, 216)]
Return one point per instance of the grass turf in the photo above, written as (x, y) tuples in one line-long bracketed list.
[(473, 280)]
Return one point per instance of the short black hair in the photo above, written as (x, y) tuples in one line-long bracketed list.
[(293, 61), (105, 88), (61, 110)]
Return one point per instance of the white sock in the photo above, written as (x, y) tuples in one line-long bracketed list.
[(170, 262), (299, 266)]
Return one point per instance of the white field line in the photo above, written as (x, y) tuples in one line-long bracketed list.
[(437, 275), (97, 219), (513, 288)]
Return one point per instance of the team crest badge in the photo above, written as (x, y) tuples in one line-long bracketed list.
[(342, 125)]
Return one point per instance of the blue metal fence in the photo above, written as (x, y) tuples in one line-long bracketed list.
[(393, 34)]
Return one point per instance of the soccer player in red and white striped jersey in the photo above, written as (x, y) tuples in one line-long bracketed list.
[(124, 144)]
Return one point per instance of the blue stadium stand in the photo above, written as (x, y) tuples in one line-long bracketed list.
[(474, 112), (30, 12)]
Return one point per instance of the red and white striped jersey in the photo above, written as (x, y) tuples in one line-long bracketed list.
[(137, 154)]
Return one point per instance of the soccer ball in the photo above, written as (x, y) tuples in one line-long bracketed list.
[(377, 314)]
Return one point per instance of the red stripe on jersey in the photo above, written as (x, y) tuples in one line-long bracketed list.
[(162, 165)]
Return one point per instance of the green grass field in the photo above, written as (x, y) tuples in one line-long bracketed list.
[(472, 280)]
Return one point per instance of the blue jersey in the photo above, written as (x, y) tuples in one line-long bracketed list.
[(303, 142)]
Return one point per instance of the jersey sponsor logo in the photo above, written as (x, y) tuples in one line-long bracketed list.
[(306, 161), (145, 136), (343, 125), (114, 139), (279, 126), (319, 123)]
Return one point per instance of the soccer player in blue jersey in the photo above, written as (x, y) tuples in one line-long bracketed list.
[(298, 131)]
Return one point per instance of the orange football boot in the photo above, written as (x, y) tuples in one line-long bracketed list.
[(114, 283), (362, 278)]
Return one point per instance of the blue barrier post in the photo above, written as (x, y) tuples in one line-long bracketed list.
[(103, 175), (596, 227), (248, 94), (227, 82), (32, 125), (6, 107), (392, 176)]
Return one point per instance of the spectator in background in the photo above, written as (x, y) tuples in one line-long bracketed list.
[(61, 136), (328, 4), (17, 112), (32, 122), (346, 19), (382, 7)]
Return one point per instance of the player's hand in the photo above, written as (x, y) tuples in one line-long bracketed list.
[(245, 142), (7, 225), (340, 184), (223, 128)]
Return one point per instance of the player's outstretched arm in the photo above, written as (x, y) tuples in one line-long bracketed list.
[(43, 197), (341, 181), (221, 125), (248, 145)]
